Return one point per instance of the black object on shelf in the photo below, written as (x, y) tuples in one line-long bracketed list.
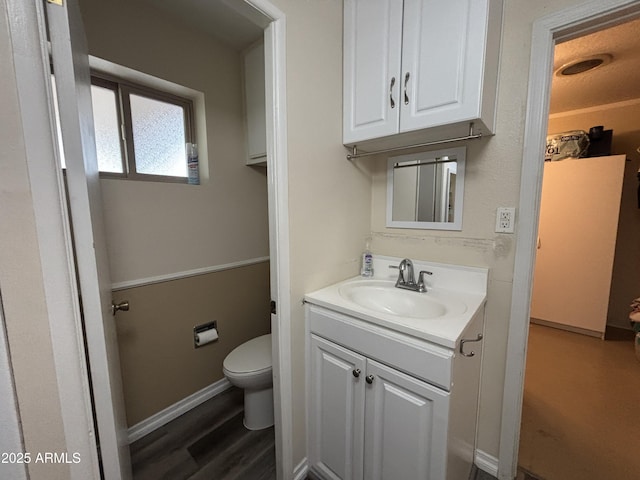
[(599, 141)]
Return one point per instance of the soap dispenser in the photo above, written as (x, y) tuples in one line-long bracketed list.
[(367, 261)]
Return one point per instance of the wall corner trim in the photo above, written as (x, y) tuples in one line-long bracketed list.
[(172, 412), (487, 463)]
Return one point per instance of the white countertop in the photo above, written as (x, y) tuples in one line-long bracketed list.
[(448, 283)]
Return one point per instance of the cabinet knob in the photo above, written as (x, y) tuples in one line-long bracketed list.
[(356, 372), (369, 379)]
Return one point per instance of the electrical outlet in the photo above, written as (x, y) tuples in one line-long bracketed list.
[(505, 219)]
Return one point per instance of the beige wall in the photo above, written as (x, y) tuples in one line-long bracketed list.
[(159, 228), (21, 284), (159, 363), (329, 197), (623, 119)]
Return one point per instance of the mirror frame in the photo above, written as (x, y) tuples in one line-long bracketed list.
[(460, 154)]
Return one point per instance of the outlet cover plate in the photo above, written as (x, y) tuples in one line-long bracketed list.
[(505, 219)]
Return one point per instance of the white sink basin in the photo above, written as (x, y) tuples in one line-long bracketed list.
[(383, 297), (441, 315)]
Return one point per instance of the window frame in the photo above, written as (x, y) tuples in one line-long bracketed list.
[(113, 86), (123, 89)]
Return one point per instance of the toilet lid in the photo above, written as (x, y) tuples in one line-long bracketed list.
[(252, 356)]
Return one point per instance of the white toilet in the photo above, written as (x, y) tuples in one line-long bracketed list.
[(248, 366)]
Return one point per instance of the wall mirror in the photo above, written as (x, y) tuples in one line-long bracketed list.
[(425, 190)]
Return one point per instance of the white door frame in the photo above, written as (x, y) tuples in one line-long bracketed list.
[(565, 24), (31, 59), (278, 192), (277, 173)]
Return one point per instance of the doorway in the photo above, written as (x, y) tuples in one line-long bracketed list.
[(547, 31), (570, 377), (99, 326)]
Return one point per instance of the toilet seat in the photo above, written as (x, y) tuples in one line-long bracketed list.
[(252, 357)]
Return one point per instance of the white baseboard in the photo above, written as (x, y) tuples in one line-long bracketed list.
[(172, 412), (486, 462), (300, 472), (567, 328)]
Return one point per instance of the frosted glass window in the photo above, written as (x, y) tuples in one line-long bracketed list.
[(107, 128), (140, 132), (158, 137)]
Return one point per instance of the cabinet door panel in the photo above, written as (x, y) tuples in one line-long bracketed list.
[(337, 411), (406, 422), (372, 53), (254, 85), (443, 55)]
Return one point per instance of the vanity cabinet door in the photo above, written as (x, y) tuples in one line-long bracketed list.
[(406, 426), (372, 52), (336, 411)]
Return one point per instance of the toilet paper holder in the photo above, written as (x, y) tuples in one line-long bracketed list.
[(205, 327)]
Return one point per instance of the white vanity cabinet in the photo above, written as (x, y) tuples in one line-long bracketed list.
[(372, 421), (385, 405), (411, 65)]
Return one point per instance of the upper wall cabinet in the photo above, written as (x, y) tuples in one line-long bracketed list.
[(419, 70), (254, 100)]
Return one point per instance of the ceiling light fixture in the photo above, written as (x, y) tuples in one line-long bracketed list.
[(584, 64)]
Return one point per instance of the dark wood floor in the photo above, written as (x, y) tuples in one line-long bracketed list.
[(208, 442), (521, 475)]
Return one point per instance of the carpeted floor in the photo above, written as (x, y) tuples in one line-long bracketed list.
[(581, 406)]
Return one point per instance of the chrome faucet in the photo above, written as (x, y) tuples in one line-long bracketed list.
[(407, 279)]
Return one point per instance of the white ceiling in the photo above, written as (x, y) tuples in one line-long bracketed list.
[(615, 82), (219, 18)]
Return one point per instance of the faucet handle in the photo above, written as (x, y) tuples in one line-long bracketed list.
[(421, 286)]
